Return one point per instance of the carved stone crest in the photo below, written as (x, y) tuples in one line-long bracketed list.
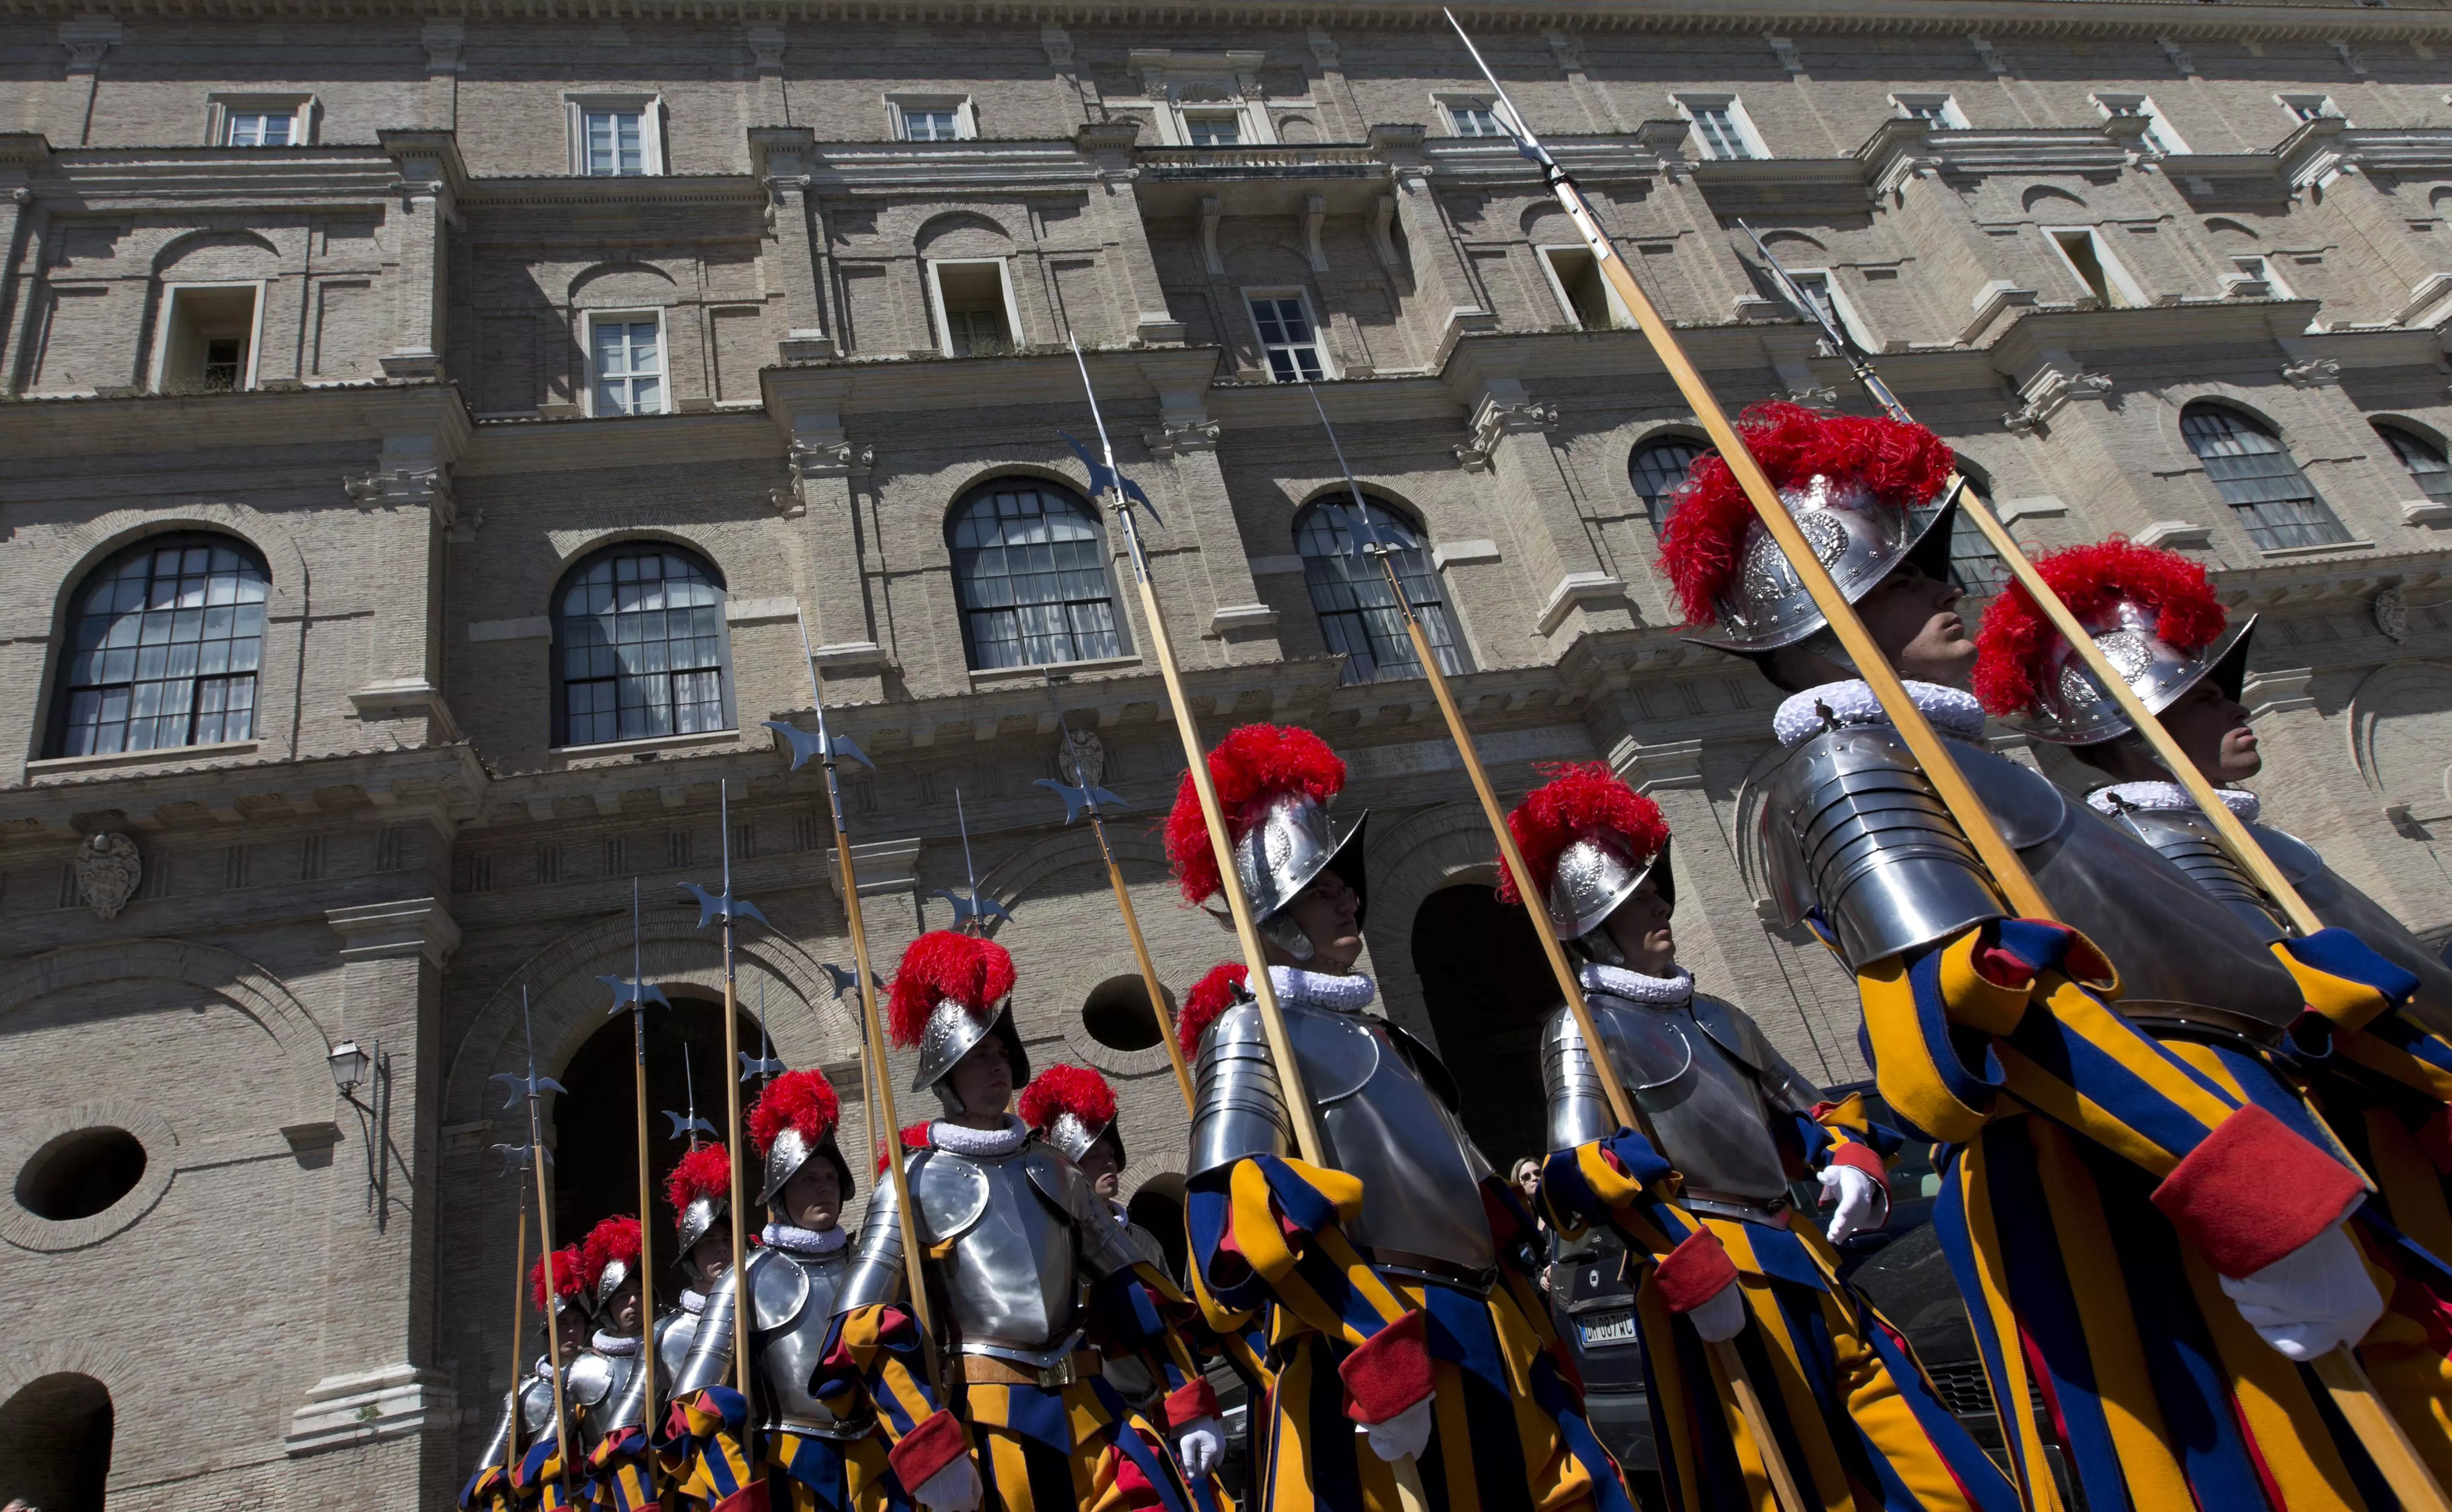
[(2391, 614), (108, 870), (1082, 759)]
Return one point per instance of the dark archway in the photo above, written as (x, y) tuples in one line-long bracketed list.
[(595, 1151), (55, 1443), (1487, 989)]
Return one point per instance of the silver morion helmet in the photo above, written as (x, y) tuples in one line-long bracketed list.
[(1288, 841), (1860, 537), (1597, 873), (2071, 709), (953, 1033)]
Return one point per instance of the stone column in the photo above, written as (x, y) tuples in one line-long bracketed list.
[(429, 169), (1142, 317), (1446, 300), (830, 484), (443, 41), (1234, 625), (377, 1382), (23, 154), (782, 157), (1574, 590)]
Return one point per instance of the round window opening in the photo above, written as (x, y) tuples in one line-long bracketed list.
[(1118, 1014), (80, 1175)]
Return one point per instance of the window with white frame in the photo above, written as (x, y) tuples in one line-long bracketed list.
[(262, 120), (1474, 118), (1288, 337), (616, 136), (974, 308), (2083, 252), (2257, 477), (2259, 269), (2423, 457), (626, 359), (1933, 109), (2157, 135), (1575, 277), (1817, 285), (1721, 126), (205, 343), (2304, 108), (1212, 127), (931, 118)]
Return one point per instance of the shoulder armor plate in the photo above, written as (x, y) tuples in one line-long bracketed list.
[(778, 1289), (1338, 1051), (950, 1194), (2298, 860), (589, 1380), (2023, 801), (1734, 1032), (1060, 1182)]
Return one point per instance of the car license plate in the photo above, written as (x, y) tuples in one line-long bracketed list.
[(1606, 1328)]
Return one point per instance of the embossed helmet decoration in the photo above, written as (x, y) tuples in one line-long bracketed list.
[(1210, 998), (1590, 842), (794, 1122), (569, 1287), (951, 992), (1071, 1108), (1274, 783), (700, 1188), (1853, 483), (609, 1257), (2152, 612)]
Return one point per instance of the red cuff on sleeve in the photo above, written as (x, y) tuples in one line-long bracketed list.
[(750, 1497), (1191, 1402), (928, 1448), (1865, 1159), (2254, 1192), (1390, 1373), (1695, 1271)]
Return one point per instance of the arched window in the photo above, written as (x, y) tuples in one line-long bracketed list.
[(1350, 593), (2251, 467), (643, 650), (1659, 468), (164, 643), (2423, 458), (1030, 571), (55, 1439)]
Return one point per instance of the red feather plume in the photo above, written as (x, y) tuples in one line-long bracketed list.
[(705, 1172), (1210, 996), (1578, 800), (1705, 537), (1252, 760), (614, 1239), (801, 1100), (941, 964), (1075, 1089), (2016, 638), (567, 1283), (915, 1136)]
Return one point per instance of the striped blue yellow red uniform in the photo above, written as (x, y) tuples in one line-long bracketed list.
[(804, 1472), (1849, 1408), (1508, 1433)]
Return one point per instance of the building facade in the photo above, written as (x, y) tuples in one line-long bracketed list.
[(428, 437)]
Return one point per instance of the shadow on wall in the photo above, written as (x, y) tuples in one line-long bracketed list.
[(1487, 989), (55, 1443)]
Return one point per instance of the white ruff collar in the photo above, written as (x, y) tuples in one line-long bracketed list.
[(2121, 795), (693, 1302), (615, 1343), (1635, 987), (979, 1142), (1344, 994), (1954, 713), (804, 1241)]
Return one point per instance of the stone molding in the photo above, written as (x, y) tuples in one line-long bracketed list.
[(1573, 591), (362, 1406), (377, 932), (881, 866)]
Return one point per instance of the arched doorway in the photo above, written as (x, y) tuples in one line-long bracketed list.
[(1487, 989), (55, 1443), (595, 1151)]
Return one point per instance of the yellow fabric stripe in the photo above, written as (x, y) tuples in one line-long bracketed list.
[(1904, 1071), (1991, 1312), (1271, 1258), (2341, 1001), (2290, 1437), (2389, 1060), (1822, 1477), (1974, 999), (1009, 1467)]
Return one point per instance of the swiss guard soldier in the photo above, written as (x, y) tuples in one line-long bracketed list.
[(1402, 1298), (2171, 1205), (812, 1458), (612, 1376), (1073, 1109), (528, 1423), (2384, 1085), (1015, 1238), (1736, 1121)]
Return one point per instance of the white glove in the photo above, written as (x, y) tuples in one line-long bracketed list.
[(1404, 1436), (1723, 1317), (2312, 1300), (955, 1489), (1198, 1444), (1856, 1194)]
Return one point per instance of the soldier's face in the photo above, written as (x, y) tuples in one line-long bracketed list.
[(1099, 1163), (570, 1333), (622, 1315), (813, 1198), (983, 1079), (710, 1256), (1639, 929), (2211, 727), (1327, 913), (1914, 619)]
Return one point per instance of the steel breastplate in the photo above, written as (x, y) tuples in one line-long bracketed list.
[(794, 1301), (2339, 904), (1704, 1102), (536, 1406), (2186, 839), (1008, 1270), (674, 1332), (1380, 1122)]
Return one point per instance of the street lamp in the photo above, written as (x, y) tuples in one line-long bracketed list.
[(348, 1065)]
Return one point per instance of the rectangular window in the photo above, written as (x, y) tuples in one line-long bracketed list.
[(2158, 134), (1935, 110), (260, 120), (261, 128), (1580, 287), (1288, 337), (2260, 271), (933, 119), (2083, 252), (2307, 107), (628, 362), (1475, 118), (1716, 126), (616, 143), (1213, 129), (207, 339), (1830, 305), (975, 309)]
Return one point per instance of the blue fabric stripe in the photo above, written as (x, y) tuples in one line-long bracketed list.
[(2068, 1055)]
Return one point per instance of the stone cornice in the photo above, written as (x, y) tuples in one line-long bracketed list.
[(437, 784), (187, 424)]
